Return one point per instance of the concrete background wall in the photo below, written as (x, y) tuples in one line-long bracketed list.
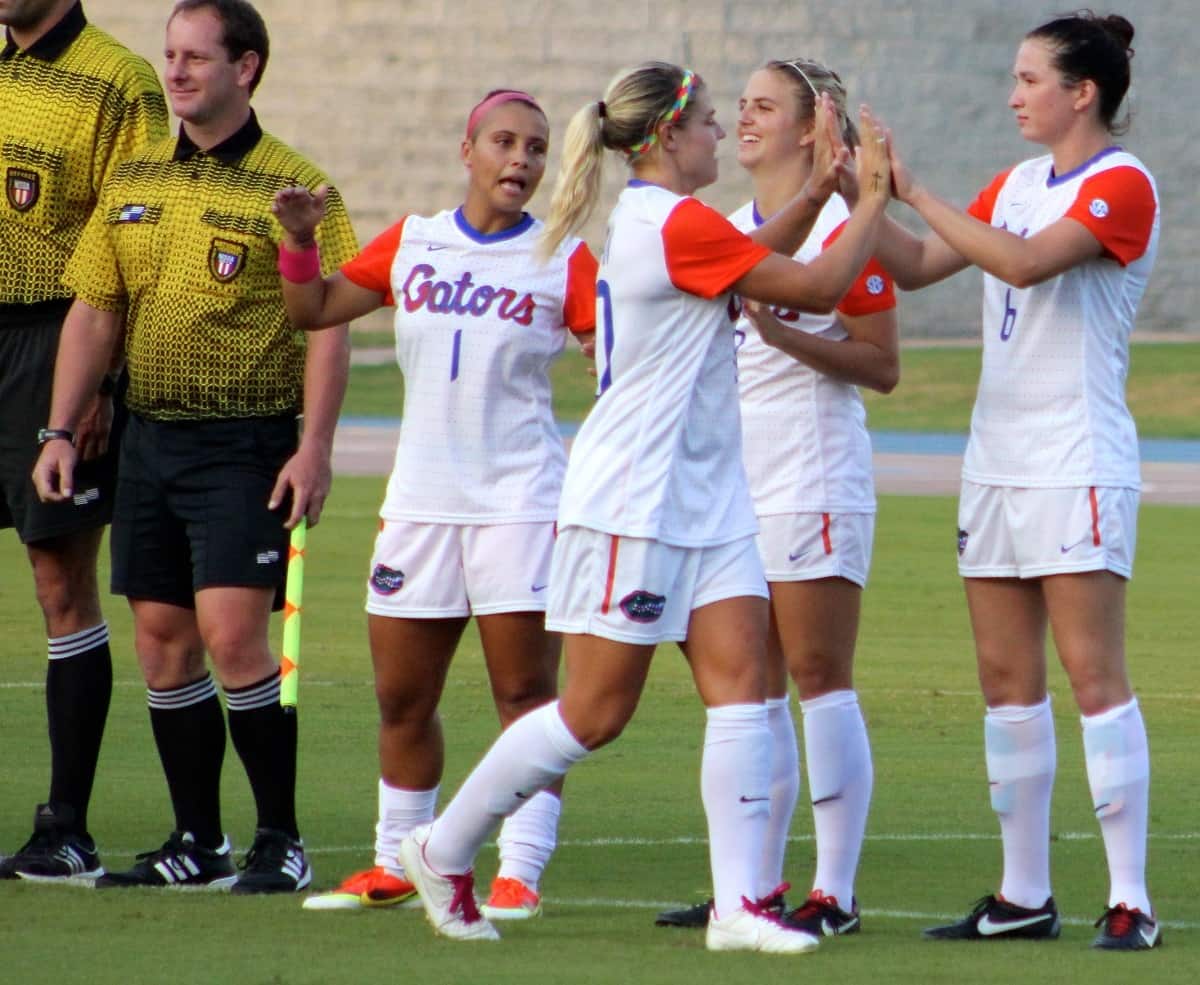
[(377, 91)]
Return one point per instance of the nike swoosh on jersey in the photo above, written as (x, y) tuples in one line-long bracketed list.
[(431, 247), (990, 928), (1067, 548), (796, 557)]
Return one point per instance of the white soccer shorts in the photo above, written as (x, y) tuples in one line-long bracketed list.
[(642, 591), (807, 546), (446, 570), (1006, 532)]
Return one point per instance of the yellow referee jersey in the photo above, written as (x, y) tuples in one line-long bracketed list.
[(185, 242), (71, 107)]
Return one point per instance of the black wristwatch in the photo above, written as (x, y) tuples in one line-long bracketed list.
[(54, 434)]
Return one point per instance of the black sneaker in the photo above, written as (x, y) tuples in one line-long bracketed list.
[(1123, 929), (274, 864), (821, 916), (696, 917), (179, 864), (690, 917), (994, 918), (55, 852)]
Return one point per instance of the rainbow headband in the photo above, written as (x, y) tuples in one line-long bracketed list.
[(498, 99), (682, 95)]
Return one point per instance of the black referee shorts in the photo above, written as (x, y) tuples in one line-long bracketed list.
[(28, 344), (191, 507)]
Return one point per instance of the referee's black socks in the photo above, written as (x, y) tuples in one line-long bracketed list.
[(265, 737), (78, 692), (189, 731)]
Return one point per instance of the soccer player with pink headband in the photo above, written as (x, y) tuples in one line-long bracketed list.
[(467, 524)]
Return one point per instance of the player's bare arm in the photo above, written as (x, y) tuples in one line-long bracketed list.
[(870, 357), (316, 302)]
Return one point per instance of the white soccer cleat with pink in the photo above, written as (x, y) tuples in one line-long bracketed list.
[(753, 927), (449, 901)]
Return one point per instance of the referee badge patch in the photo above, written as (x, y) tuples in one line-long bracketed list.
[(226, 259), (23, 188)]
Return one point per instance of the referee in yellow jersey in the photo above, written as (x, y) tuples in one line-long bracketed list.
[(212, 474), (73, 103)]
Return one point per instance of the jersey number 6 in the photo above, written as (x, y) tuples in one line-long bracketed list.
[(1010, 317)]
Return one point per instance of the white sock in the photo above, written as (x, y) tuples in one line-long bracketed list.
[(1118, 768), (784, 791), (735, 788), (527, 839), (1021, 762), (841, 778), (529, 755), (400, 811)]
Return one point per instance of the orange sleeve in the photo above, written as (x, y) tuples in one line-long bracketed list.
[(372, 268), (873, 290), (579, 302), (985, 202), (1117, 206), (706, 254)]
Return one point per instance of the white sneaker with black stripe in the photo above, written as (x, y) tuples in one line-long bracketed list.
[(274, 864), (179, 864)]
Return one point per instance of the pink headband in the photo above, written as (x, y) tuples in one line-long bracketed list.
[(489, 103)]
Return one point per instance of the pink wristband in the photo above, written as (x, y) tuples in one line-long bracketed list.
[(299, 267)]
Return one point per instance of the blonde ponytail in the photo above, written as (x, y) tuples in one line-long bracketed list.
[(636, 101), (578, 184)]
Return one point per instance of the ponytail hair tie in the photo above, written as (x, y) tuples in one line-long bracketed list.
[(601, 110)]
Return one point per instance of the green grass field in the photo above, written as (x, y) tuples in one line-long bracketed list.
[(936, 391), (632, 831)]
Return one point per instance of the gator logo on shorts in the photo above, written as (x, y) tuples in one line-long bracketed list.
[(387, 581), (643, 606), (226, 259), (22, 188), (962, 541)]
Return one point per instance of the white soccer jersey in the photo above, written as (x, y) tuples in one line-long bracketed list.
[(1051, 405), (660, 456), (804, 434), (478, 322)]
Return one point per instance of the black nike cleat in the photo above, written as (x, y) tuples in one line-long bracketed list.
[(994, 918), (690, 917), (821, 916), (1123, 929), (696, 917)]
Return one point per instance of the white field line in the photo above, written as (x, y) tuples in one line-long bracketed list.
[(685, 840), (865, 691), (688, 840)]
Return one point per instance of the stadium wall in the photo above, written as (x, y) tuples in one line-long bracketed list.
[(377, 92)]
